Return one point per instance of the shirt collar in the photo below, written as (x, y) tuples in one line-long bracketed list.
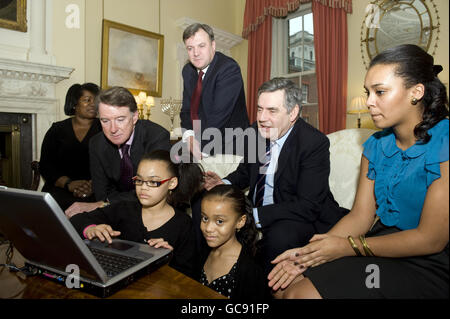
[(204, 70), (281, 140), (129, 142), (390, 147)]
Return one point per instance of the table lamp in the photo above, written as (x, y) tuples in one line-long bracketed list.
[(358, 106)]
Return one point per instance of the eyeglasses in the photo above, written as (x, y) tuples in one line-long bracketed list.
[(137, 181)]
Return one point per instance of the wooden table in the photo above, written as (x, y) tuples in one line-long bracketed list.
[(163, 283)]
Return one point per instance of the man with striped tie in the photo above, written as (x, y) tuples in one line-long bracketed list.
[(288, 185)]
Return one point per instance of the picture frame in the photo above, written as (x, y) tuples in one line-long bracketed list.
[(13, 15), (132, 58)]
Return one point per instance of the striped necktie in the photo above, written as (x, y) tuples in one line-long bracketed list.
[(261, 180)]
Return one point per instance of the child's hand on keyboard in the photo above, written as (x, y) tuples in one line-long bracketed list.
[(102, 232), (159, 242)]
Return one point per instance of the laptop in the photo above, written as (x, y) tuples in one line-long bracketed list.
[(38, 228)]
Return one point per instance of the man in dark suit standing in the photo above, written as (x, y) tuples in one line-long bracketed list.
[(289, 184), (213, 93), (115, 153)]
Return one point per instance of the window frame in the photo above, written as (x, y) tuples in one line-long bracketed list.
[(281, 55)]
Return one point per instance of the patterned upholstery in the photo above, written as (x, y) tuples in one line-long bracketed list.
[(345, 159)]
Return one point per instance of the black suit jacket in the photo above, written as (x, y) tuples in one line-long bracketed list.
[(222, 103), (301, 191), (105, 159)]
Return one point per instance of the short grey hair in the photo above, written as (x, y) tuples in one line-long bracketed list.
[(292, 93), (116, 96), (193, 29)]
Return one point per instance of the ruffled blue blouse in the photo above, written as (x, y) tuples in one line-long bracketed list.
[(402, 177)]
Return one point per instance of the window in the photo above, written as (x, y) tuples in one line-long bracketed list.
[(305, 89), (293, 57)]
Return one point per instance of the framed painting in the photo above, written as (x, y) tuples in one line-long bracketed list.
[(13, 15), (132, 58)]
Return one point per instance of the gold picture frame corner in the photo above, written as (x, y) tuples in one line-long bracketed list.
[(136, 33), (20, 22)]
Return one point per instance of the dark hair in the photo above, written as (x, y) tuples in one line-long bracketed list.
[(193, 29), (117, 96), (248, 235), (292, 93), (190, 178), (415, 66), (74, 94)]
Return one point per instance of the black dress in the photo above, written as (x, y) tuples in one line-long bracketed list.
[(126, 217), (63, 155), (245, 281), (410, 278)]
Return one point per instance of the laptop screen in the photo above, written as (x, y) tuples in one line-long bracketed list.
[(38, 228)]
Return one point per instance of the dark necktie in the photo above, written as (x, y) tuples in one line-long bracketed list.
[(261, 180), (195, 99), (126, 169)]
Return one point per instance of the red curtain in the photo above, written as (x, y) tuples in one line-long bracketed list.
[(258, 30), (259, 61), (331, 49)]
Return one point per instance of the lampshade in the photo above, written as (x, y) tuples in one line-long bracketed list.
[(358, 105), (142, 96), (150, 101)]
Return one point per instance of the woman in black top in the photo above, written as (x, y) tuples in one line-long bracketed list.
[(157, 218), (64, 162)]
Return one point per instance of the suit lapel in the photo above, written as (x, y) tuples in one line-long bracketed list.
[(210, 73), (260, 153), (111, 159), (286, 151), (134, 151)]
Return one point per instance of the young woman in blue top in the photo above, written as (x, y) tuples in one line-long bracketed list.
[(394, 241)]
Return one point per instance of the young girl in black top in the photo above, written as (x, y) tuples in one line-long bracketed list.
[(162, 189), (229, 229)]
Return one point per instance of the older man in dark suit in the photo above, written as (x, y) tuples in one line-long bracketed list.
[(115, 153), (213, 93), (289, 185)]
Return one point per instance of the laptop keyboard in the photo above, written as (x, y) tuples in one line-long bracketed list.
[(113, 264)]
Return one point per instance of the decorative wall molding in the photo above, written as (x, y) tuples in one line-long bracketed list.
[(23, 70), (27, 87), (35, 45)]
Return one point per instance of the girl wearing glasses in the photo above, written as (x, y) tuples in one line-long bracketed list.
[(163, 189)]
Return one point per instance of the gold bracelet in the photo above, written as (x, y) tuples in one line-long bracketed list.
[(104, 204), (366, 246), (355, 248)]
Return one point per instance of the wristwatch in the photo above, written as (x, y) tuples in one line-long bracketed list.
[(66, 184)]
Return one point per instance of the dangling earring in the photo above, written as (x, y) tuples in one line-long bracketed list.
[(414, 101), (237, 230)]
